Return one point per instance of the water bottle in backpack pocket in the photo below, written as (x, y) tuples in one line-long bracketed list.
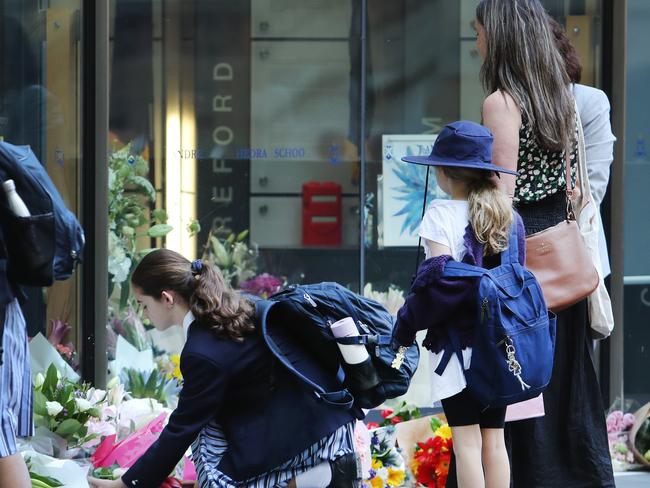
[(514, 339)]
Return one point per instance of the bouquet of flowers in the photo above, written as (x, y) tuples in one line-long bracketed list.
[(402, 413), (64, 407), (263, 285), (57, 335), (387, 468), (154, 384), (618, 430), (639, 438), (392, 300), (430, 464), (232, 255)]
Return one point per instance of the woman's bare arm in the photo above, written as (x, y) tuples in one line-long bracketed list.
[(502, 116)]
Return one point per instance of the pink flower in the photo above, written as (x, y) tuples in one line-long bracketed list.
[(101, 429), (615, 421), (628, 421), (362, 446), (263, 285)]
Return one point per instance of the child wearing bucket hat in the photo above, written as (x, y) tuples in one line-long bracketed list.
[(472, 226)]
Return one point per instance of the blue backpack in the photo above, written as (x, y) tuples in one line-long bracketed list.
[(514, 341), (295, 326), (49, 244)]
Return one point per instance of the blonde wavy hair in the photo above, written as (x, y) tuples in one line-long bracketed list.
[(490, 210)]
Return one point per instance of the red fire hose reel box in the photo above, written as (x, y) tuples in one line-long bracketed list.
[(321, 213)]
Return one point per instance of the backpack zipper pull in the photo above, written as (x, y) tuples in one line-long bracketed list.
[(484, 309)]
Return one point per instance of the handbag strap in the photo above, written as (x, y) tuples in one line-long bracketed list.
[(568, 181)]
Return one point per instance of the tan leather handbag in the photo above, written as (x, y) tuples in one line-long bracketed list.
[(559, 259)]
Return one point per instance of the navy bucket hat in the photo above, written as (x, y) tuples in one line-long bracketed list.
[(462, 144)]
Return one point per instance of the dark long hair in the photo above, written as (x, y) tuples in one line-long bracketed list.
[(212, 301), (567, 50), (523, 61)]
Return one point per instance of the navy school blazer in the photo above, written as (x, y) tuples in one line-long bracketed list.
[(266, 415)]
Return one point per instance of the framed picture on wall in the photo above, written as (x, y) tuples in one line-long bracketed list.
[(401, 191)]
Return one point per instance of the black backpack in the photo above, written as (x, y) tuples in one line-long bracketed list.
[(49, 244), (295, 326)]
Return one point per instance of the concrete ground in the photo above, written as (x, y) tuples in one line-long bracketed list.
[(632, 479)]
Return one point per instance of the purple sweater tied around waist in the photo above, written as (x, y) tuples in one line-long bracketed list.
[(435, 303)]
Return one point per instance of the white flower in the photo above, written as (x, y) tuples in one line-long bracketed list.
[(383, 474), (53, 408), (101, 428), (39, 379), (83, 404), (95, 396), (108, 413), (114, 381), (116, 394)]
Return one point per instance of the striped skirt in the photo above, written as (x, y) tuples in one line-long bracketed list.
[(16, 418), (210, 445)]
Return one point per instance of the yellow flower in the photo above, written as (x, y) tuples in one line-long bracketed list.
[(395, 477), (175, 359), (377, 464), (444, 432), (376, 482)]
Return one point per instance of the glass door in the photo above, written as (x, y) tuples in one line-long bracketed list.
[(40, 106)]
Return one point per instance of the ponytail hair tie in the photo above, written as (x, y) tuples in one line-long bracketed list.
[(196, 267)]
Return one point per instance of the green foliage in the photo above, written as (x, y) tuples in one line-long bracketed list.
[(130, 195), (234, 258), (39, 481), (403, 412), (150, 385), (61, 406)]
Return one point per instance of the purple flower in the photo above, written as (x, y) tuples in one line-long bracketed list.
[(58, 331), (263, 285)]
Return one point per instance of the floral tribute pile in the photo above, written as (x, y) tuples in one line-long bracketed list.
[(407, 449), (430, 465)]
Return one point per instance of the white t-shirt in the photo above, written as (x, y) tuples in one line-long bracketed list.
[(445, 222)]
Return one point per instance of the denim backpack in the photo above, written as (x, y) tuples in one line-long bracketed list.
[(514, 340), (295, 324), (47, 245)]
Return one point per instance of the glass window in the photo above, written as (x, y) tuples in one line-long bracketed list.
[(40, 100), (637, 206), (423, 72), (255, 116), (248, 130), (243, 116)]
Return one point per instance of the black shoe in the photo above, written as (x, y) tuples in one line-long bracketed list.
[(346, 472)]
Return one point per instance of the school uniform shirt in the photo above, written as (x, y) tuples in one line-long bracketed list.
[(266, 415), (444, 223)]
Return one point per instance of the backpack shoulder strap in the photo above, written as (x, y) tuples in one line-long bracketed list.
[(341, 398), (457, 269), (511, 254)]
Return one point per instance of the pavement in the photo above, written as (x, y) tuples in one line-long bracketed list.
[(632, 479)]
